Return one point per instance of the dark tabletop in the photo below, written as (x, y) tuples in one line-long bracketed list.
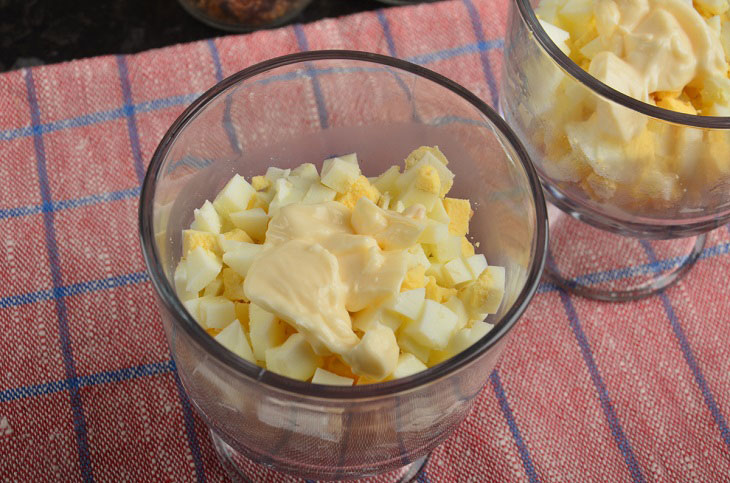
[(36, 32)]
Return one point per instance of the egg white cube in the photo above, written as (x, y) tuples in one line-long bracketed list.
[(376, 355), (294, 358), (438, 213), (497, 275), (193, 308), (416, 256), (217, 312), (408, 364), (265, 331), (412, 195), (557, 35), (575, 16), (402, 232), (319, 193), (228, 245), (273, 174), (447, 249), (455, 304), (477, 264), (434, 232), (460, 341), (434, 327), (254, 222), (367, 319), (386, 181), (350, 158), (234, 339), (466, 337), (306, 171), (323, 376), (234, 196), (181, 280), (457, 272), (436, 270), (409, 303), (242, 257), (409, 344), (286, 194), (202, 267), (485, 294), (445, 175), (206, 218), (339, 174)]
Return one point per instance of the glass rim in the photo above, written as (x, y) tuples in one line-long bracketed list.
[(527, 13), (184, 321)]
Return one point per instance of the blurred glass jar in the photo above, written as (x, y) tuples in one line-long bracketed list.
[(244, 15), (406, 2)]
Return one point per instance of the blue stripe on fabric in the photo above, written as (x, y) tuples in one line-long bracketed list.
[(35, 390), (456, 52), (71, 203), (74, 289), (98, 117), (386, 32), (478, 28), (385, 25), (216, 60), (228, 101), (94, 199), (690, 357), (85, 120), (605, 400), (107, 377), (126, 374), (139, 167), (128, 110), (79, 421), (21, 132), (626, 272), (163, 103), (18, 212), (189, 422), (514, 429), (103, 284), (26, 298), (228, 124), (312, 74)]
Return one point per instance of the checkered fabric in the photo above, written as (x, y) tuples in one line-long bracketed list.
[(586, 391)]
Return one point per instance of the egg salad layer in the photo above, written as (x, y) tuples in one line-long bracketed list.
[(668, 53), (338, 278)]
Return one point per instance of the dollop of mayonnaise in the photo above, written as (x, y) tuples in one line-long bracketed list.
[(667, 42), (315, 269)]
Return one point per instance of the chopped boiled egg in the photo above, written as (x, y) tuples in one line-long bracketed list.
[(339, 279)]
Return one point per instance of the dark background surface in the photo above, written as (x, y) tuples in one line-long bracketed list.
[(36, 32)]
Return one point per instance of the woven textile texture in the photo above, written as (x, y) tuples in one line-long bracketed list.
[(586, 391)]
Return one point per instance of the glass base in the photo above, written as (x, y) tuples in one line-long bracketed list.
[(601, 265), (243, 470)]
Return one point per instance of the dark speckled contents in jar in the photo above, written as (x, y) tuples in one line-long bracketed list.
[(247, 13)]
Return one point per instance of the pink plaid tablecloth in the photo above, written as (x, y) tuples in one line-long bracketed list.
[(586, 391)]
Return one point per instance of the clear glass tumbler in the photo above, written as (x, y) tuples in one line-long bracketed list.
[(627, 237), (305, 108)]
